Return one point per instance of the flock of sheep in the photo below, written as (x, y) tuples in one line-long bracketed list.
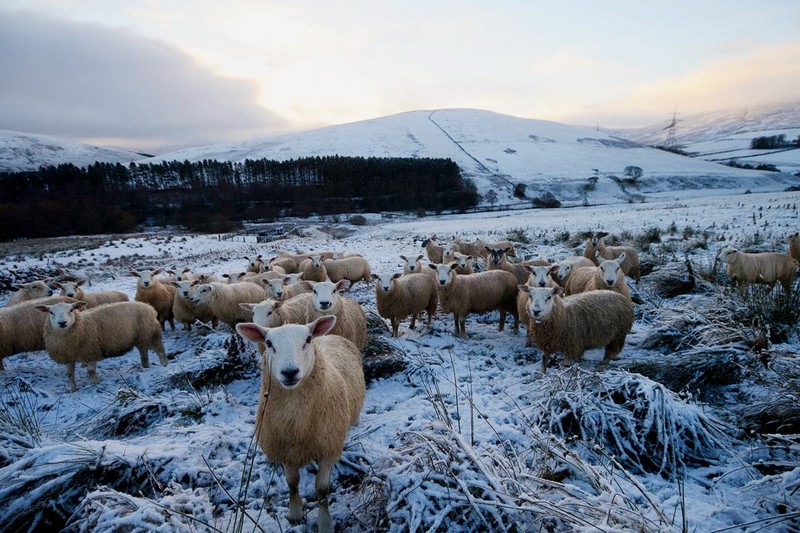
[(310, 336)]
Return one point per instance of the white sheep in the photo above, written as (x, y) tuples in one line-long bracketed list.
[(30, 291), (224, 300), (572, 325), (568, 265), (234, 277), (765, 268), (352, 268), (22, 326), (74, 289), (271, 313), (313, 269), (476, 293), (160, 296), (590, 250), (539, 277), (255, 265), (185, 310), (283, 289), (75, 336), (433, 249), (312, 391), (502, 245), (412, 264), (448, 252), (498, 260), (794, 246), (476, 248), (289, 264), (326, 299), (398, 296), (631, 264), (608, 276), (465, 263)]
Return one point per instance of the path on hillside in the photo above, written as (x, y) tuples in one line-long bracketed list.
[(498, 179)]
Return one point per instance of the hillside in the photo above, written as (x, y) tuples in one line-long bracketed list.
[(724, 136), (27, 151), (498, 151)]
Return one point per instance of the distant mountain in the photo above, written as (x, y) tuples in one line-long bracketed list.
[(725, 136), (499, 151), (28, 151)]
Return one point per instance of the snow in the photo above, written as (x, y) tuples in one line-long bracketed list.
[(468, 437)]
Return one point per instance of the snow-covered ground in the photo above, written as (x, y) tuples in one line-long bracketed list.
[(468, 436)]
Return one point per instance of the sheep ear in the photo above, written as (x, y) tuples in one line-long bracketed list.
[(246, 258), (77, 306), (396, 275), (375, 276), (322, 325), (307, 285), (507, 250), (554, 268), (170, 272), (420, 256), (158, 271), (287, 280), (453, 265), (81, 282), (404, 258), (528, 268), (621, 258), (175, 283), (43, 308), (246, 306), (432, 266), (134, 273), (18, 287), (342, 285), (602, 234), (226, 276), (524, 288), (558, 291), (252, 332)]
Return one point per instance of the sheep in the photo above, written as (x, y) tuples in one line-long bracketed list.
[(590, 250), (255, 265), (794, 246), (234, 277), (569, 265), (353, 269), (271, 313), (75, 336), (574, 324), (766, 268), (22, 326), (464, 263), (502, 245), (498, 260), (183, 275), (30, 291), (185, 310), (398, 296), (607, 276), (326, 299), (631, 265), (313, 269), (160, 296), (539, 277), (75, 290), (448, 252), (224, 300), (282, 289), (476, 248), (433, 249), (290, 265), (478, 293), (300, 257), (312, 391)]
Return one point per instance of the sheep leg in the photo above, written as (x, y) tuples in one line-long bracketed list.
[(502, 325), (413, 320), (71, 377), (2, 367), (295, 515), (545, 361), (324, 523), (395, 326), (91, 368), (158, 346), (462, 322), (455, 320), (172, 323), (516, 321)]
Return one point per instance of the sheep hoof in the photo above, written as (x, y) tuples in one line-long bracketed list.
[(295, 514)]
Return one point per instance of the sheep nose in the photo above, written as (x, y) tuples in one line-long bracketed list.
[(290, 375), (324, 305), (62, 323), (146, 283), (536, 312), (542, 283)]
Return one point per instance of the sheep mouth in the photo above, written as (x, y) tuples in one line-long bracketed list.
[(324, 305), (289, 384)]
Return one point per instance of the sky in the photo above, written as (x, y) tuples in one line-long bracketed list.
[(153, 75)]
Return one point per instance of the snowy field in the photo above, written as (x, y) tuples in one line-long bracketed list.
[(693, 428)]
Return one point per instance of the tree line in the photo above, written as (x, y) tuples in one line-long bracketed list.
[(218, 195)]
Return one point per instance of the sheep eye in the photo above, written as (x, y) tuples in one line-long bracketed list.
[(308, 340), (269, 344)]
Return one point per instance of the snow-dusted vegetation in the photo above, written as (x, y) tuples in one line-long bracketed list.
[(693, 428)]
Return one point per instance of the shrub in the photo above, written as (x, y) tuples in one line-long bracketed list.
[(357, 220), (519, 190), (547, 200)]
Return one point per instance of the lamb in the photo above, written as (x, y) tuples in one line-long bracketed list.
[(30, 291), (160, 296), (75, 290), (224, 300), (314, 269), (539, 277), (464, 263), (631, 265), (477, 293), (22, 326), (398, 296), (498, 260), (433, 249), (794, 246), (185, 310), (326, 299), (282, 289), (75, 336), (607, 276), (569, 265), (577, 323), (353, 269), (312, 391), (766, 268)]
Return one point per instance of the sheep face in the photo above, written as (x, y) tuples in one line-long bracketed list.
[(611, 271), (184, 288), (203, 294), (728, 255), (316, 260), (444, 273), (563, 270), (540, 275), (411, 263), (463, 260), (263, 312), (495, 255), (385, 281), (275, 287), (597, 237), (62, 314), (540, 300), (234, 277), (145, 277), (290, 355), (35, 289), (70, 288), (325, 296), (291, 279), (254, 265)]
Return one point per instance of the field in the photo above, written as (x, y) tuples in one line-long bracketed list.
[(694, 428)]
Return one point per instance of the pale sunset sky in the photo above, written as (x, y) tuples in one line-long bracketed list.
[(156, 75)]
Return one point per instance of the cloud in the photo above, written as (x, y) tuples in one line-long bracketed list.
[(742, 78), (92, 83)]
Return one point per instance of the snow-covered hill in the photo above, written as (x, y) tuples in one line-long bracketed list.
[(27, 151), (724, 136), (499, 151)]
